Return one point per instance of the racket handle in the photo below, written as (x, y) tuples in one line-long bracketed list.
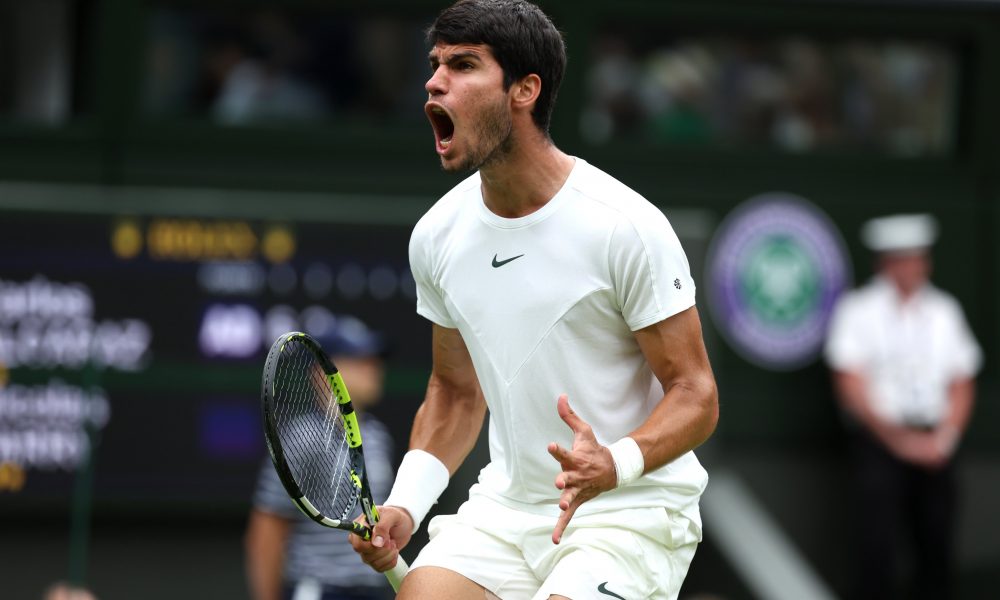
[(396, 574)]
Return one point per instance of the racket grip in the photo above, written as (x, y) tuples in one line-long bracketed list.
[(396, 574)]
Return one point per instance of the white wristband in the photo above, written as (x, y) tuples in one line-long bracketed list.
[(629, 463), (420, 480)]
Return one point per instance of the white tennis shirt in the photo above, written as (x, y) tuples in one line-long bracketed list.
[(546, 304), (909, 353)]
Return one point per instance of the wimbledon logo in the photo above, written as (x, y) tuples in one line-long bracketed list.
[(775, 267)]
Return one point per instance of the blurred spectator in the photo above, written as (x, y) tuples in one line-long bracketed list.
[(904, 362), (611, 83), (37, 60), (255, 74), (272, 65), (290, 557)]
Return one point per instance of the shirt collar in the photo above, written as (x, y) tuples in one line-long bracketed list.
[(888, 289)]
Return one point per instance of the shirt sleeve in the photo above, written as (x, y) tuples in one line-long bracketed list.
[(845, 348), (430, 297), (650, 271), (270, 495), (966, 357)]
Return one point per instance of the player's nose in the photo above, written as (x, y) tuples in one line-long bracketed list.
[(437, 84)]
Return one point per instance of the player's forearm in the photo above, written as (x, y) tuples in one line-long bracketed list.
[(441, 437), (682, 421), (448, 422)]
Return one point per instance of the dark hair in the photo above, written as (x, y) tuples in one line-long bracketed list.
[(522, 38)]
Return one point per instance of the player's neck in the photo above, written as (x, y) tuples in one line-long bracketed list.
[(527, 178)]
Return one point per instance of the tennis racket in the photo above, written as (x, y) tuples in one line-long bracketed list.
[(314, 440)]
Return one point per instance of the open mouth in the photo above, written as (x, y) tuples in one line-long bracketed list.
[(444, 127)]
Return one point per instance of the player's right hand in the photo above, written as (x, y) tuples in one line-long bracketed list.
[(390, 535)]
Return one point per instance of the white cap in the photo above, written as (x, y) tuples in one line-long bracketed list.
[(900, 233)]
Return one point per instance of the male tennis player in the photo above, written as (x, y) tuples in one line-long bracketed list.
[(562, 301)]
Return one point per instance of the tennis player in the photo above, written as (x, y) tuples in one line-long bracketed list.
[(561, 300)]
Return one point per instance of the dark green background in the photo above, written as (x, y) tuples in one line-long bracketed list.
[(780, 431)]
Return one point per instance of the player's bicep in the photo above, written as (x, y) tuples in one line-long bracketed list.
[(452, 364), (689, 411), (675, 351), (448, 422)]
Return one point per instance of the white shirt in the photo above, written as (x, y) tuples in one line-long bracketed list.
[(908, 352), (547, 304)]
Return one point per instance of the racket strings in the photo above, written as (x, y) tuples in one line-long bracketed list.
[(312, 433)]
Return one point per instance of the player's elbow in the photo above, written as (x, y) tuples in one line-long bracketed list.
[(698, 398), (702, 398), (708, 403), (462, 393)]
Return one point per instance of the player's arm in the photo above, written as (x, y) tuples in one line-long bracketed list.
[(453, 402), (445, 430), (682, 420), (264, 545), (689, 411)]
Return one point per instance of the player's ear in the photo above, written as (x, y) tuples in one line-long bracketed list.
[(525, 91)]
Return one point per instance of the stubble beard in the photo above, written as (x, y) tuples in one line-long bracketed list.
[(494, 130)]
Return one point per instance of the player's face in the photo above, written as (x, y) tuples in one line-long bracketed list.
[(468, 106)]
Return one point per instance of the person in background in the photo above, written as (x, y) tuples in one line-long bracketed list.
[(290, 557), (903, 362)]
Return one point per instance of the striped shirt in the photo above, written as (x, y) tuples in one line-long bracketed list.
[(317, 552)]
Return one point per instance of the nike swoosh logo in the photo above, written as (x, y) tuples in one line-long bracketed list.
[(500, 263), (604, 590)]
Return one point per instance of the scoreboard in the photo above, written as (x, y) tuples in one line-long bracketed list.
[(138, 338)]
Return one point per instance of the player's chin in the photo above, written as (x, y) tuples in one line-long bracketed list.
[(451, 163), (451, 167)]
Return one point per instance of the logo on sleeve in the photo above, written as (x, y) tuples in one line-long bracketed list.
[(500, 263)]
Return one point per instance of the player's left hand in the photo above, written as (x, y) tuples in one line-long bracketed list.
[(587, 468)]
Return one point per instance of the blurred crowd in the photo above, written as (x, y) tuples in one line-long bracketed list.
[(273, 65), (791, 92), (266, 66)]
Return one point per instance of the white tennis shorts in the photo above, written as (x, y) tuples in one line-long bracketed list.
[(631, 554)]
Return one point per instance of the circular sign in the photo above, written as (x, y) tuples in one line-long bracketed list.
[(775, 267)]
